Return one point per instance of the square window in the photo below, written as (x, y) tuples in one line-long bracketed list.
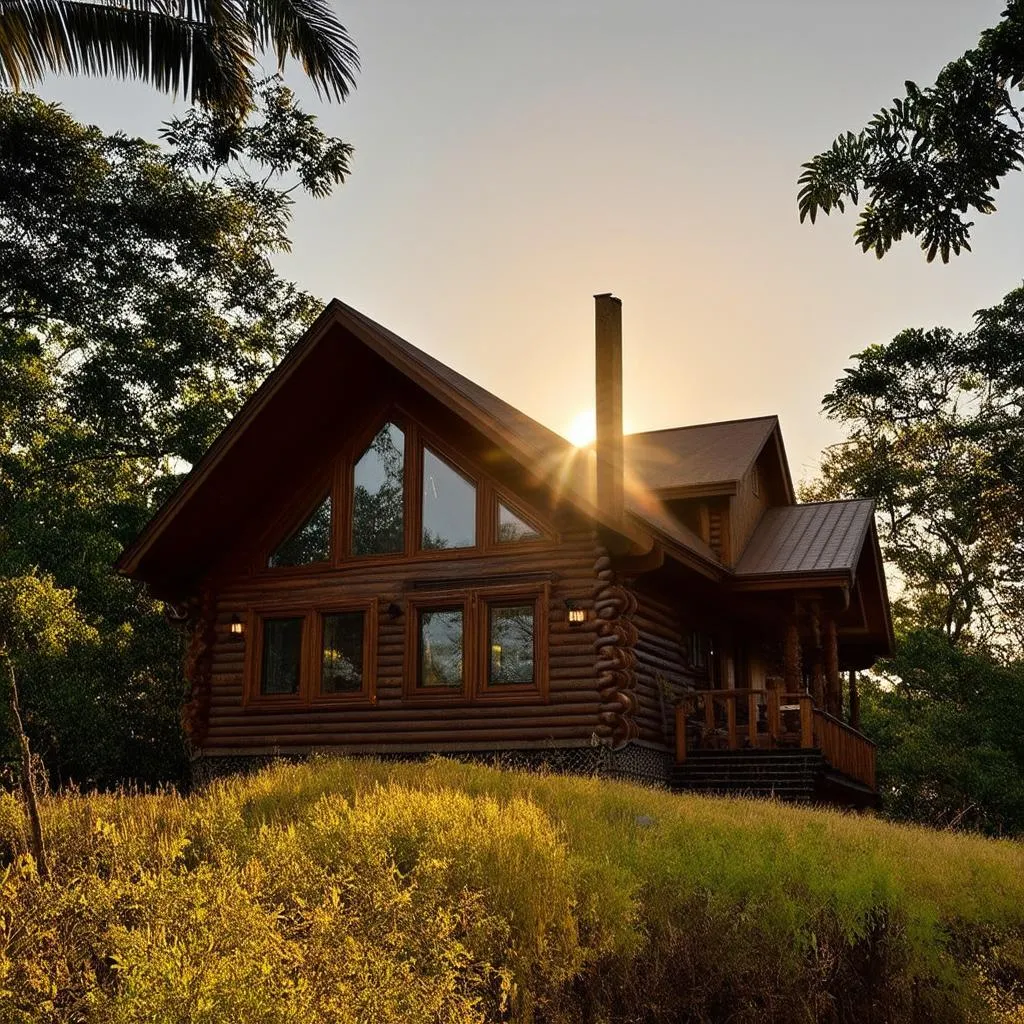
[(441, 644), (282, 656), (341, 653), (510, 644)]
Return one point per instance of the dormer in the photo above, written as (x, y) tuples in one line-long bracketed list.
[(717, 479)]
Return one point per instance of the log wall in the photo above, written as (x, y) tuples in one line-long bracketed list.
[(569, 715), (662, 658)]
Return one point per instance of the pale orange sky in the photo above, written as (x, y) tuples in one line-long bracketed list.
[(511, 162)]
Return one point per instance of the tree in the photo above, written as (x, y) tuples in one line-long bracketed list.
[(36, 618), (934, 155), (935, 434), (138, 309), (949, 723), (204, 49)]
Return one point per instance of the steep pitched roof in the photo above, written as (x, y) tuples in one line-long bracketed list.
[(699, 455), (821, 537), (655, 461)]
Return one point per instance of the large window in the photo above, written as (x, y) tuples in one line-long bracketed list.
[(281, 664), (313, 656), (440, 643), (449, 506), (309, 542), (399, 497), (378, 495), (478, 645)]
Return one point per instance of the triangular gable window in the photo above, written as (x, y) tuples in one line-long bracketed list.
[(512, 528), (449, 506), (378, 499), (311, 542)]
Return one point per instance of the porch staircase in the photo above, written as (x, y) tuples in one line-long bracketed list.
[(792, 775)]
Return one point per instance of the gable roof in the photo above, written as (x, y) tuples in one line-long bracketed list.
[(702, 455), (819, 537), (656, 461)]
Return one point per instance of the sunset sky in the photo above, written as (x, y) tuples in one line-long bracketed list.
[(512, 160)]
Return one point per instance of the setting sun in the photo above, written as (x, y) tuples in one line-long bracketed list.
[(582, 429)]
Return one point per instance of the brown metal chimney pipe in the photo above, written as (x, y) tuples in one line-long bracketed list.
[(608, 360)]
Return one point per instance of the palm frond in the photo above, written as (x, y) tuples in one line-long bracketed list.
[(309, 31), (202, 49)]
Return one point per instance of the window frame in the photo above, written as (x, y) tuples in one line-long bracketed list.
[(545, 536), (436, 601), (256, 628), (308, 695), (496, 597), (425, 439), (344, 530), (368, 691)]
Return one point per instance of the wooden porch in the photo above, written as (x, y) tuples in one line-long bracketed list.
[(734, 729)]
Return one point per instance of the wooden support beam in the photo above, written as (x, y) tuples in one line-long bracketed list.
[(854, 701), (817, 666), (806, 722), (774, 718), (730, 719), (793, 668), (752, 720), (680, 734), (834, 704)]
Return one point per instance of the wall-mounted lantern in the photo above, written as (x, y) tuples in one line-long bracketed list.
[(394, 610), (576, 614), (237, 627)]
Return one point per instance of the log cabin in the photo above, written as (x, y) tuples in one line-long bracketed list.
[(379, 557)]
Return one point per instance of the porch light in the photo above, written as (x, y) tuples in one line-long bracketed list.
[(394, 610), (237, 626), (574, 613)]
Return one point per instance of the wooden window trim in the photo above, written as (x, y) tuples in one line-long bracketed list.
[(345, 529), (368, 691), (548, 537), (254, 659), (410, 675), (308, 695), (425, 439), (290, 520), (513, 693)]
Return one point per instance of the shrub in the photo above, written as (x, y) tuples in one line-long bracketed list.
[(342, 891)]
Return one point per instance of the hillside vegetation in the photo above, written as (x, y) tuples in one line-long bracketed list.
[(341, 891)]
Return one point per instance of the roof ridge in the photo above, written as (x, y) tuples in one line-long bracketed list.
[(709, 423)]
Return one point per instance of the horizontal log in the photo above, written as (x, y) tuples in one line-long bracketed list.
[(426, 736)]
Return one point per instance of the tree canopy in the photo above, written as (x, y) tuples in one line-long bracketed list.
[(202, 49), (138, 309), (923, 165), (935, 435)]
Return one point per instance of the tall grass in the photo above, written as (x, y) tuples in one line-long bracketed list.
[(342, 891)]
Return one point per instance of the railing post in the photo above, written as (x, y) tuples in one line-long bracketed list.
[(806, 721), (709, 714), (752, 720), (774, 718), (730, 721), (680, 734)]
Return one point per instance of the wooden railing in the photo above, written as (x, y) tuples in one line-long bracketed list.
[(844, 748), (773, 720)]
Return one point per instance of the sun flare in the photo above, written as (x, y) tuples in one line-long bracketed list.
[(582, 429)]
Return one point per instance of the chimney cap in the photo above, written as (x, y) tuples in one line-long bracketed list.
[(608, 295)]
